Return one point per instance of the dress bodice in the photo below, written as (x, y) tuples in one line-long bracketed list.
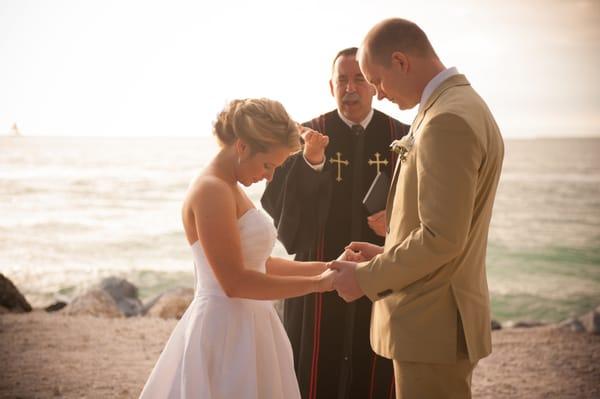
[(257, 239)]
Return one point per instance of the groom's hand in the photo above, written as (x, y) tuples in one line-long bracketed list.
[(365, 250), (345, 281), (351, 256)]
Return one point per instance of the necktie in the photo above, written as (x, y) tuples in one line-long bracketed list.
[(357, 130)]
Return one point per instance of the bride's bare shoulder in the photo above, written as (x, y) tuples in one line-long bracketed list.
[(207, 189)]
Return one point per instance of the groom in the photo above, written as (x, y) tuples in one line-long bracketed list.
[(431, 311)]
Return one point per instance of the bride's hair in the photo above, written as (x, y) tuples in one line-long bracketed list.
[(259, 122)]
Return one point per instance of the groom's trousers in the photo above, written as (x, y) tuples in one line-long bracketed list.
[(436, 381)]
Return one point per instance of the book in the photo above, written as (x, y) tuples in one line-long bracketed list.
[(376, 197)]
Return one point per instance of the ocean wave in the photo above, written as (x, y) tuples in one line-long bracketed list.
[(541, 177)]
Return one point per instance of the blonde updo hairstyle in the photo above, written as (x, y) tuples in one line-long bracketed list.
[(261, 123)]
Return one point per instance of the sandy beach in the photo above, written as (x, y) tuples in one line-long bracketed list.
[(57, 356)]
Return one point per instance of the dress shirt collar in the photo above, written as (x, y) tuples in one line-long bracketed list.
[(434, 84), (365, 122)]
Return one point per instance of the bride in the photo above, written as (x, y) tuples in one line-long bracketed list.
[(230, 342)]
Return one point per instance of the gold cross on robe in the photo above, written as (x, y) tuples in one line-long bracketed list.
[(340, 162), (378, 162)]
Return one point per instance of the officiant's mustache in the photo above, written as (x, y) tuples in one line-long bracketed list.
[(351, 97)]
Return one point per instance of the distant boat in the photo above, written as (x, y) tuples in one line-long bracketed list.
[(14, 131)]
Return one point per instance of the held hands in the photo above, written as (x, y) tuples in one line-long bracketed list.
[(377, 223), (340, 274), (314, 145), (345, 280)]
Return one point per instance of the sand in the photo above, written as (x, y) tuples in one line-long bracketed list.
[(55, 356)]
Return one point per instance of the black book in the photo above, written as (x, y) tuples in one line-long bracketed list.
[(376, 198)]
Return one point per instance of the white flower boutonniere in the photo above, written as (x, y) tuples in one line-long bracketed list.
[(403, 146)]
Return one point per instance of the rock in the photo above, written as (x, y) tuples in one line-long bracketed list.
[(3, 310), (523, 324), (11, 298), (496, 325), (148, 305), (572, 325), (124, 293), (95, 302), (130, 307), (171, 304), (118, 288), (55, 306), (591, 321)]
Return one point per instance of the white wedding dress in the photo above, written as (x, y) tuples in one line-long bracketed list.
[(227, 347)]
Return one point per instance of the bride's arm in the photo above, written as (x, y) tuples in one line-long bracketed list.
[(213, 205), (285, 267)]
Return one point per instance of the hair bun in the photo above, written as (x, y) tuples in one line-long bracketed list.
[(261, 123), (224, 125)]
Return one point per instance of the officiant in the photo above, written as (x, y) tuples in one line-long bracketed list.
[(315, 199)]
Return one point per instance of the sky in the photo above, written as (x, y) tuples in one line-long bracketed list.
[(166, 68)]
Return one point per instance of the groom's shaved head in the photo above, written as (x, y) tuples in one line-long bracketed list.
[(393, 35)]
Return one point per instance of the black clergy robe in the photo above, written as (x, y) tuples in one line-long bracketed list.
[(317, 214)]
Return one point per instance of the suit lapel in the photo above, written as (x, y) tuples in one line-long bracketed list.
[(390, 197)]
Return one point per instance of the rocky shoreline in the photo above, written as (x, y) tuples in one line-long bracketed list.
[(115, 297), (104, 343)]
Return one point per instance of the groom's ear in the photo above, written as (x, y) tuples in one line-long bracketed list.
[(400, 61)]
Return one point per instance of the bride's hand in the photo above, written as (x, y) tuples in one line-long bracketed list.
[(325, 280)]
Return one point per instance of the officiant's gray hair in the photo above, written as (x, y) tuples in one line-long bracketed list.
[(260, 122), (396, 34)]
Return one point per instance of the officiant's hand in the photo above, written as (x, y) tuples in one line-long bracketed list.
[(377, 223), (314, 146), (345, 280), (366, 250)]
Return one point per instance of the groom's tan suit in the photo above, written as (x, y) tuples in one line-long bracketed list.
[(431, 274)]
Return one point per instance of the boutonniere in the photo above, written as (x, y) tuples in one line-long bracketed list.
[(403, 146)]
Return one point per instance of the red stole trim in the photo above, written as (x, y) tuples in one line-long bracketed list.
[(319, 125)]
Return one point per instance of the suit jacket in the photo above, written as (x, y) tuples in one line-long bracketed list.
[(432, 269)]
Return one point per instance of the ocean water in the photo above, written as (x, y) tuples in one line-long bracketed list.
[(74, 210)]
